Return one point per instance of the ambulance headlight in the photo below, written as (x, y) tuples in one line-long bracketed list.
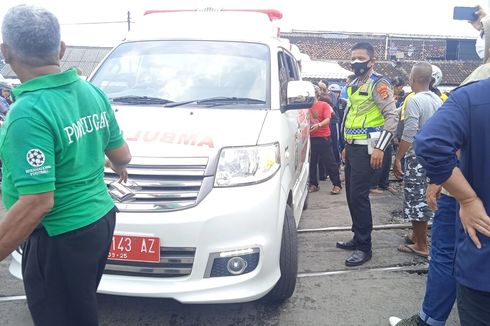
[(239, 166)]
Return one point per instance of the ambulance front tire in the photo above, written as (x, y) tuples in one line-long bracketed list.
[(288, 261)]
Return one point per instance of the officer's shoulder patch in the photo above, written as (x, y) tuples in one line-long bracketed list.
[(382, 90)]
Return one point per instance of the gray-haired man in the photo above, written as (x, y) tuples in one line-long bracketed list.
[(53, 179)]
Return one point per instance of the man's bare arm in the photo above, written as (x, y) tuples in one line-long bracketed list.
[(21, 219), (402, 150), (119, 158)]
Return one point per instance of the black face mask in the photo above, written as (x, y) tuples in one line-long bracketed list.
[(359, 68)]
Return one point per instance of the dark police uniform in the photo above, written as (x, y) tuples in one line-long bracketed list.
[(370, 122)]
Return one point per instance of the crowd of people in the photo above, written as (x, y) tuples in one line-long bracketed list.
[(440, 144)]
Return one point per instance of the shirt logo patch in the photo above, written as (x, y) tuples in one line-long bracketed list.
[(35, 157)]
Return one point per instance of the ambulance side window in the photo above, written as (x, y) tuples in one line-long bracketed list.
[(288, 70), (283, 78), (292, 67)]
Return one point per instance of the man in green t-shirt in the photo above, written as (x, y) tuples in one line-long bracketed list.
[(53, 146)]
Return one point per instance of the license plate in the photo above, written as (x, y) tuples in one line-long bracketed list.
[(135, 248)]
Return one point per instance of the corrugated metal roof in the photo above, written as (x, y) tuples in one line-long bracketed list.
[(342, 34), (101, 54), (84, 57), (7, 72)]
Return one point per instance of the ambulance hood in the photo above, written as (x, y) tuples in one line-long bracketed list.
[(187, 132)]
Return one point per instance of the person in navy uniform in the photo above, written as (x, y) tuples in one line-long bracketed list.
[(462, 124)]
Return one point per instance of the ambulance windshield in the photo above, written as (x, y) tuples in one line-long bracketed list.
[(160, 72)]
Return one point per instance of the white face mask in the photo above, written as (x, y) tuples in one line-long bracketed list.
[(480, 47)]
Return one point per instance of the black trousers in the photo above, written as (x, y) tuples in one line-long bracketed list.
[(473, 307), (61, 273), (335, 136), (358, 175), (381, 177), (336, 152), (321, 151)]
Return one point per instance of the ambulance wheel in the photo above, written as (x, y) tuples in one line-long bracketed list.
[(288, 261)]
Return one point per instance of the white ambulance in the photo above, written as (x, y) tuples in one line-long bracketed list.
[(216, 116)]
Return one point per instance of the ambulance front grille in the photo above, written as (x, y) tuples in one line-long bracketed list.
[(163, 184), (174, 262)]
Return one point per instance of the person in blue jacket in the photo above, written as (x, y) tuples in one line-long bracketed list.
[(4, 102), (462, 124)]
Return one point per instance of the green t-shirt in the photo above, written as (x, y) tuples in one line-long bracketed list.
[(54, 139)]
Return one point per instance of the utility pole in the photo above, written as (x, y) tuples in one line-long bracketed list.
[(129, 21), (386, 46)]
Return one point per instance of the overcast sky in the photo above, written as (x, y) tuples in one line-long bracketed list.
[(433, 17)]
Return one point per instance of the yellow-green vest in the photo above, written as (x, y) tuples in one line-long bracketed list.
[(363, 115), (404, 105)]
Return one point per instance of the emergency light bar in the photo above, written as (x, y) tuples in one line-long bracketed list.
[(273, 14)]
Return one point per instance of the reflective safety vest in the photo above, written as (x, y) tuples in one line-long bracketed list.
[(444, 97), (404, 105), (363, 115)]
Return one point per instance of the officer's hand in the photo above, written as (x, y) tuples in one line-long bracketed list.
[(432, 194), (397, 169), (377, 158), (343, 155), (474, 219)]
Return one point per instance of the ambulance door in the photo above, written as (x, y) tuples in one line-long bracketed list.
[(298, 125)]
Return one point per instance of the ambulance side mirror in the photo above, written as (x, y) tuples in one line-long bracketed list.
[(300, 94)]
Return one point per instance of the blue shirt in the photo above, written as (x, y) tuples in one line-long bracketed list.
[(4, 105), (463, 122), (343, 93)]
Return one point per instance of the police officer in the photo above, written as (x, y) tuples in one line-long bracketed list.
[(369, 124)]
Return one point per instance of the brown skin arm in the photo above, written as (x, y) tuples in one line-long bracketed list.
[(317, 126), (21, 219), (384, 99), (397, 166), (377, 158), (432, 194), (119, 158), (472, 212)]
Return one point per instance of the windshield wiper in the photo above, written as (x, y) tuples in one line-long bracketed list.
[(133, 99), (219, 100)]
